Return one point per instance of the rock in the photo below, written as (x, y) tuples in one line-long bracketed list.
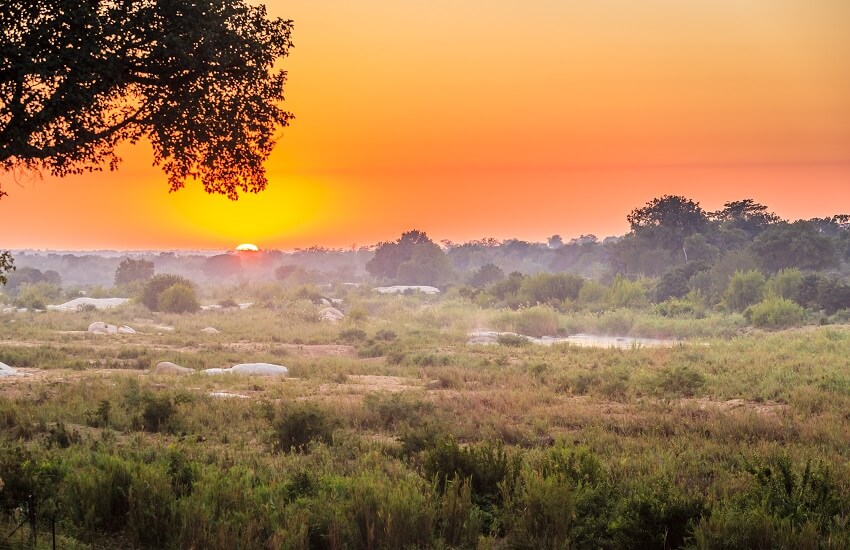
[(401, 289), (246, 305), (99, 327), (255, 369), (210, 330), (331, 315), (434, 385), (211, 307), (265, 369), (227, 395), (6, 370), (325, 302), (124, 329), (169, 368), (98, 303)]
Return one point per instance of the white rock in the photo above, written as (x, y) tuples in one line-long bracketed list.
[(124, 329), (6, 370), (227, 394), (256, 369), (211, 307), (166, 367), (401, 289), (210, 330), (215, 371), (98, 303), (325, 302), (331, 315), (265, 369), (99, 327), (246, 305)]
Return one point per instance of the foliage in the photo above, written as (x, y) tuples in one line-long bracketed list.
[(7, 265), (549, 288), (99, 73), (786, 284), (38, 295), (222, 265), (626, 293), (788, 245), (745, 289), (668, 220), (775, 312), (535, 321), (154, 288), (486, 275), (130, 270), (299, 424), (179, 298)]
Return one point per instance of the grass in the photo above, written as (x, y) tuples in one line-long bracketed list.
[(415, 438)]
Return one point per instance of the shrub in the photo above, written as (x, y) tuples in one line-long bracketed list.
[(626, 293), (540, 513), (298, 424), (37, 295), (593, 295), (775, 313), (157, 413), (745, 289), (547, 288), (535, 321), (157, 285), (179, 298), (786, 284), (680, 380)]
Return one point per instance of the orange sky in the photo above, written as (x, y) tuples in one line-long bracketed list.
[(525, 119)]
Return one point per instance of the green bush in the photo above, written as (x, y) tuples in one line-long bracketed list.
[(536, 321), (627, 294), (775, 313), (179, 298), (299, 424), (154, 288), (38, 295), (550, 288), (157, 413), (745, 289), (786, 284), (539, 513)]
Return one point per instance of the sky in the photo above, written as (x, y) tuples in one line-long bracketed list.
[(524, 119)]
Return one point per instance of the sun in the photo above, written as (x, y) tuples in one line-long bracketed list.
[(247, 248)]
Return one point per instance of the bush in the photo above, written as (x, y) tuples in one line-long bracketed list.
[(626, 293), (299, 424), (37, 295), (159, 284), (745, 289), (535, 321), (157, 413), (786, 284), (179, 298), (548, 288), (775, 313)]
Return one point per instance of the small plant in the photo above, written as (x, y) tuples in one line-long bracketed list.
[(299, 424)]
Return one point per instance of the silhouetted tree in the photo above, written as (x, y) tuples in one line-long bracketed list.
[(486, 275), (195, 78), (412, 259), (222, 265), (668, 220), (130, 270), (745, 215), (795, 244)]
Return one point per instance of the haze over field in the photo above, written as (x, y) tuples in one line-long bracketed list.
[(511, 121)]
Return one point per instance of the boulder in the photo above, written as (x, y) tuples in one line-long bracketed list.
[(169, 368), (401, 289), (124, 329), (331, 315), (6, 370), (98, 303), (254, 369), (210, 330), (99, 327), (264, 369)]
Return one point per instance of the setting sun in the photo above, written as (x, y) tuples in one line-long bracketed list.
[(247, 248)]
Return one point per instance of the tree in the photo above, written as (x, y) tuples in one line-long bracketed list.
[(798, 244), (179, 298), (745, 289), (222, 265), (7, 265), (415, 249), (130, 270), (486, 275), (195, 78), (159, 284), (745, 215), (668, 220)]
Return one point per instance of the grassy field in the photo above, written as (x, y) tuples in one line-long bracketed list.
[(392, 432)]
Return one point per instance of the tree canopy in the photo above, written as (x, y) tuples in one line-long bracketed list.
[(196, 78)]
